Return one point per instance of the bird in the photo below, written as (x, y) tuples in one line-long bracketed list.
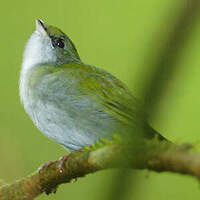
[(73, 103)]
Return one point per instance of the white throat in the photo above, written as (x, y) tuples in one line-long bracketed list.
[(38, 51)]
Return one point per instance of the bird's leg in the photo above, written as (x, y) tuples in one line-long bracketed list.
[(46, 165), (61, 164), (62, 161)]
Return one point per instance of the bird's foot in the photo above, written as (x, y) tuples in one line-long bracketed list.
[(45, 165), (62, 162)]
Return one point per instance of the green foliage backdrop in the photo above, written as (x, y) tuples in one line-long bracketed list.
[(118, 36)]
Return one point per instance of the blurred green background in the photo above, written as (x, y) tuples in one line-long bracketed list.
[(115, 35)]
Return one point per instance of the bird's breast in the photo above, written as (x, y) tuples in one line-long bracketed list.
[(64, 115)]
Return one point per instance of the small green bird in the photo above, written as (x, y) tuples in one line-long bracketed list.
[(73, 103)]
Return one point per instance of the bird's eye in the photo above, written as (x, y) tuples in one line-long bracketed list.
[(60, 43)]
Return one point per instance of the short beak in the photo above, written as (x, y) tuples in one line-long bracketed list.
[(41, 27)]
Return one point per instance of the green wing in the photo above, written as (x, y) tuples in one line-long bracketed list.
[(107, 91), (109, 94)]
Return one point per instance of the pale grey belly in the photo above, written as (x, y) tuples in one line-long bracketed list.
[(72, 128)]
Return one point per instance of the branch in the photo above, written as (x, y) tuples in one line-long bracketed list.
[(153, 155)]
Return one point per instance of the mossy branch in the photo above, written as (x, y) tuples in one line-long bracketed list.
[(153, 155)]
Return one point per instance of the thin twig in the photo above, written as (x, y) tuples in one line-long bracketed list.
[(156, 156)]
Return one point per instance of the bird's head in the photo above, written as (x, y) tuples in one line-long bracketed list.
[(49, 44)]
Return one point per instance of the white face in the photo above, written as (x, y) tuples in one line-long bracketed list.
[(38, 50), (48, 45)]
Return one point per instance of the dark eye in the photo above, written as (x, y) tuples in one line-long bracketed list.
[(60, 43)]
